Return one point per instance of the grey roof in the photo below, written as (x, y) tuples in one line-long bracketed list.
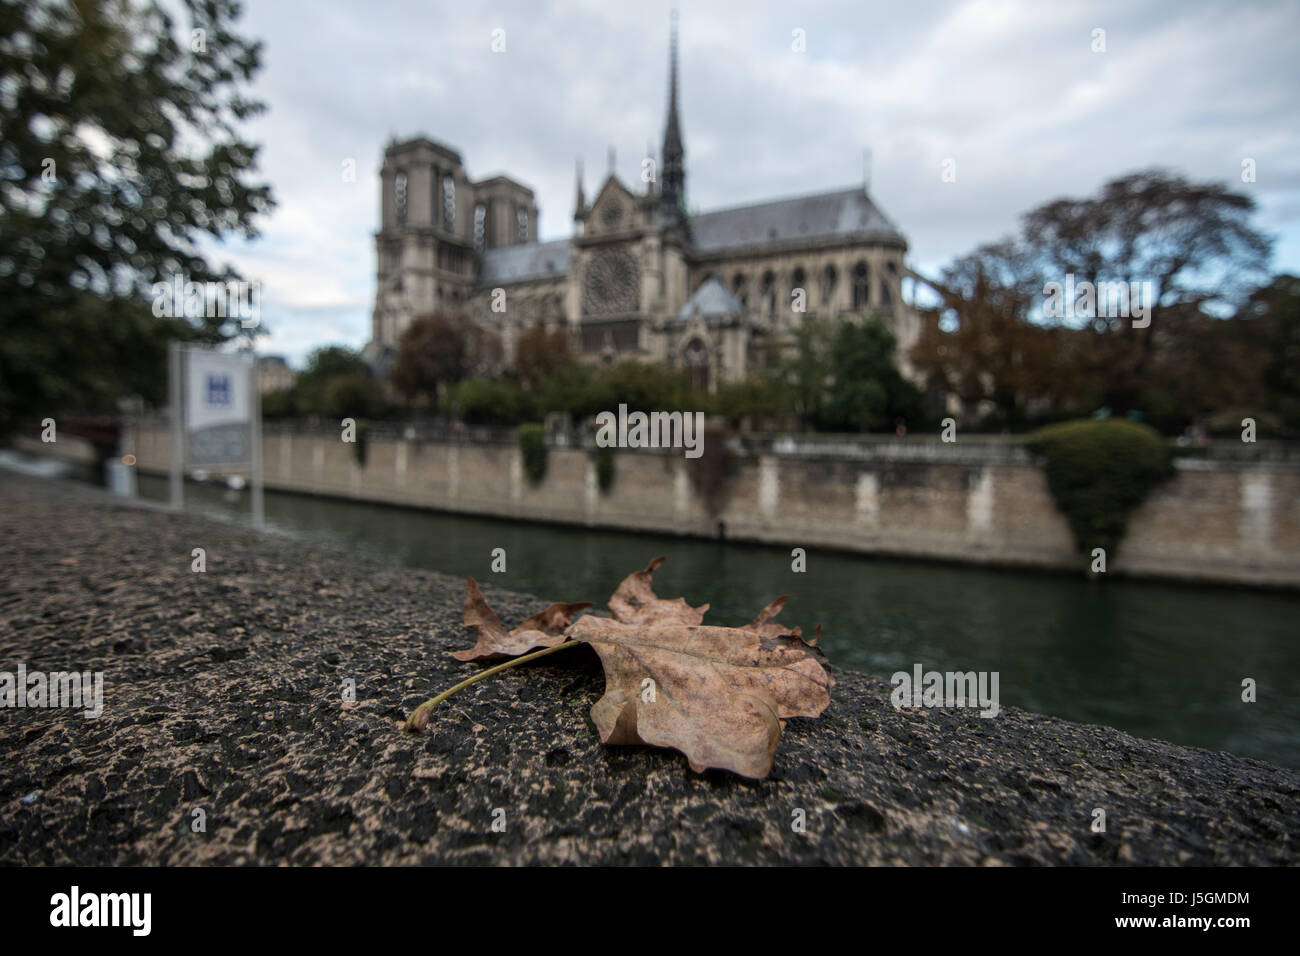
[(710, 299), (846, 212), (529, 260)]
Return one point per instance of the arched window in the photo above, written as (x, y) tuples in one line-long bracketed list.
[(739, 288), (888, 283), (861, 286), (399, 195), (798, 280), (769, 291), (448, 203), (696, 360), (480, 226), (521, 217), (828, 284)]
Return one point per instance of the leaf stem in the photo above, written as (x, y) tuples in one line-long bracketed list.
[(420, 716)]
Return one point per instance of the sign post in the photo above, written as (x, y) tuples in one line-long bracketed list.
[(176, 479), (255, 440), (216, 418)]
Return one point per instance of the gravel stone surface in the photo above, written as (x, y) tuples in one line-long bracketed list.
[(224, 692)]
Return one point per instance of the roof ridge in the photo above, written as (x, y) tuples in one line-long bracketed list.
[(535, 244), (784, 199), (702, 296)]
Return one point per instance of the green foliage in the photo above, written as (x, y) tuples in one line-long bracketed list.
[(1099, 472), (583, 391), (352, 395), (1278, 305), (757, 398), (532, 444), (604, 469), (359, 446), (120, 158), (438, 351), (323, 365), (867, 391), (567, 390), (841, 376), (335, 384), (540, 353), (279, 404), (643, 386), (79, 353), (710, 473), (482, 402), (806, 369)]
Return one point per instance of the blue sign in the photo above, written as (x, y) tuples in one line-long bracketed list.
[(218, 389)]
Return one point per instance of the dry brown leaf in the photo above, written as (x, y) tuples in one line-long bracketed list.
[(544, 629), (765, 623), (635, 602), (719, 693)]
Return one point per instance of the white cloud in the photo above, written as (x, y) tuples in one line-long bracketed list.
[(1011, 90)]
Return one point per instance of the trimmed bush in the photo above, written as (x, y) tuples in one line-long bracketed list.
[(604, 469), (532, 444), (481, 402), (1099, 472), (359, 446), (710, 473)]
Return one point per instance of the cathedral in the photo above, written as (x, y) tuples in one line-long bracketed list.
[(639, 278)]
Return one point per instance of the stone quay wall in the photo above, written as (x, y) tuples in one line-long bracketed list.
[(1225, 519)]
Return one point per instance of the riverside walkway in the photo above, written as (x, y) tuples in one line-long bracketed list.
[(227, 703)]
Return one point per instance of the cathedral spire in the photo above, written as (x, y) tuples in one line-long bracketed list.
[(673, 193), (580, 203)]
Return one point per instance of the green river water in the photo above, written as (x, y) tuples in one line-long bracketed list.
[(1155, 660)]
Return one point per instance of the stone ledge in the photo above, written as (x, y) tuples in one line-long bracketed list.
[(223, 693)]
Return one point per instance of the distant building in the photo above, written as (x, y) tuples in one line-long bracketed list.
[(639, 278), (273, 374)]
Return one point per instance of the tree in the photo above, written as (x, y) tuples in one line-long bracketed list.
[(644, 386), (1186, 248), (991, 350), (324, 365), (758, 397), (805, 369), (1278, 306), (1190, 244), (540, 354), (866, 389), (842, 376), (118, 155), (436, 351), (481, 402), (352, 395)]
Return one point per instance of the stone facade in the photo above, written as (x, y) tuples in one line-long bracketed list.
[(273, 374), (639, 278)]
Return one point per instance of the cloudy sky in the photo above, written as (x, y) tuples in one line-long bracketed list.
[(1012, 91)]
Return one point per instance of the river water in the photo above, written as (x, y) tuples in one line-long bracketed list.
[(1156, 660)]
